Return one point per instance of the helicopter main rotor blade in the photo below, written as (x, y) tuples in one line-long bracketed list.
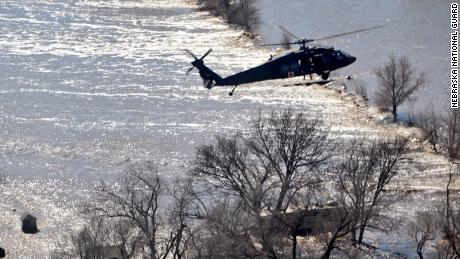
[(277, 44), (348, 33), (303, 42), (289, 33)]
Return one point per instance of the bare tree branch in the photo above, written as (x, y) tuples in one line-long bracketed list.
[(398, 84)]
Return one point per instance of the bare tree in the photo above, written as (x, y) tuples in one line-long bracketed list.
[(281, 156), (209, 5), (138, 199), (90, 241), (292, 224), (227, 9), (442, 132), (181, 235), (451, 135), (398, 83), (431, 125), (228, 166), (270, 168), (225, 232), (243, 13), (125, 236), (345, 225), (296, 150), (364, 175), (100, 238), (422, 231), (450, 219)]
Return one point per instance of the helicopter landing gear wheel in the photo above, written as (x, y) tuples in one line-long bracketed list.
[(233, 90), (325, 75)]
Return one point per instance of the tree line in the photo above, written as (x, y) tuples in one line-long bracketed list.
[(254, 195), (240, 13)]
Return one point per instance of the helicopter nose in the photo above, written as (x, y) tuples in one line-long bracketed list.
[(351, 59)]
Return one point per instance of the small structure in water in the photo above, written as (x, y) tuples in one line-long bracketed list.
[(306, 222), (29, 224)]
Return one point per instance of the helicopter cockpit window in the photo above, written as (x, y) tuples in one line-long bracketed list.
[(339, 55)]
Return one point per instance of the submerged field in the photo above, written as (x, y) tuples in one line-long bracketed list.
[(88, 87)]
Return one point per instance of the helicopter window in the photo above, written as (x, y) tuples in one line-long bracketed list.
[(340, 55), (294, 66)]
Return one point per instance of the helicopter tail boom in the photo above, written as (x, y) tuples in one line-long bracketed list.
[(210, 78)]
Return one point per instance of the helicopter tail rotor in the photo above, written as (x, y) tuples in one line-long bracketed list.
[(196, 59), (210, 78), (191, 54)]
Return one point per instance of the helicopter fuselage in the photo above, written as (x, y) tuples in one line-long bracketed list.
[(307, 61)]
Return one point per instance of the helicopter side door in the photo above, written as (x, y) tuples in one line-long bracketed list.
[(290, 69), (288, 65), (307, 65), (318, 63), (294, 68)]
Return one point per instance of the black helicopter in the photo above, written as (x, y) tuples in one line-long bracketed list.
[(305, 61)]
